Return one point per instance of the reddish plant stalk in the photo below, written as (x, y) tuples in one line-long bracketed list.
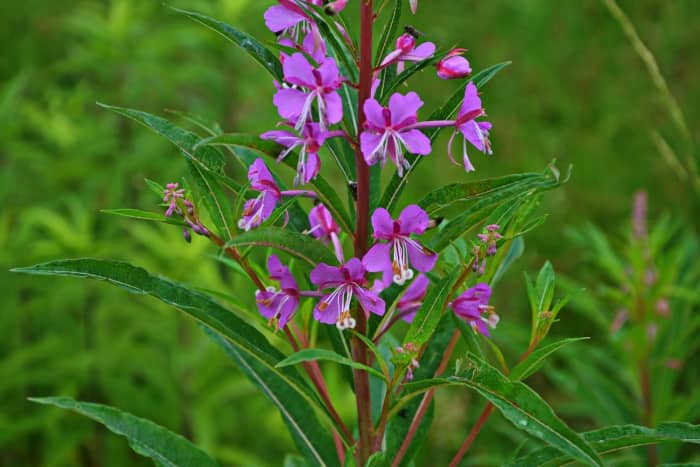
[(233, 253), (359, 350), (425, 403)]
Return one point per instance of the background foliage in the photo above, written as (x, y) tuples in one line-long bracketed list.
[(576, 91)]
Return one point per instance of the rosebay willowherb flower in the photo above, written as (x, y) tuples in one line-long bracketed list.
[(350, 259)]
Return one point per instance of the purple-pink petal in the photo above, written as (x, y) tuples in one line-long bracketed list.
[(369, 144), (404, 109), (325, 276), (423, 51), (421, 258), (472, 102), (382, 223), (374, 112), (370, 301), (334, 107), (298, 70), (413, 219), (378, 258), (278, 18), (329, 308), (289, 103), (416, 142)]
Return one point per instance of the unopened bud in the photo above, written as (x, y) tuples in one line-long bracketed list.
[(453, 65), (333, 8)]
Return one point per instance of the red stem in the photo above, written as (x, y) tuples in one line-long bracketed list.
[(359, 350), (472, 435), (425, 403)]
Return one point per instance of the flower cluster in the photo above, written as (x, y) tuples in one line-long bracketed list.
[(178, 204)]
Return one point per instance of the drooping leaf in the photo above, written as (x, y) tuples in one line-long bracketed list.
[(244, 40), (302, 246), (147, 438), (309, 355), (615, 438), (254, 350), (535, 360), (520, 405), (310, 436), (430, 312), (448, 110)]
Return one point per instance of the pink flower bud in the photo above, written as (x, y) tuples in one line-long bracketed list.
[(414, 5), (453, 65), (333, 8), (406, 42)]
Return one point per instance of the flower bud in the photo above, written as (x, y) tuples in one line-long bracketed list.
[(414, 5), (333, 8), (453, 65), (406, 42)]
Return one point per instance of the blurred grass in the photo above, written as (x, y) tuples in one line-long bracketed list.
[(576, 91)]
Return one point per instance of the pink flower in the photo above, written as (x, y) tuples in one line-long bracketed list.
[(477, 133), (289, 18), (257, 210), (347, 281), (472, 305), (406, 51), (312, 85), (308, 143), (412, 298), (323, 226), (453, 65), (393, 258), (278, 305), (389, 130)]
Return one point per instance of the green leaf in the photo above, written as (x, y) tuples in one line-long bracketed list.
[(447, 111), (615, 438), (308, 355), (429, 314), (302, 246), (204, 163), (447, 195), (515, 251), (386, 90), (520, 405), (143, 215), (247, 42), (255, 351), (209, 126), (486, 205), (147, 438), (245, 140), (389, 32), (312, 438), (535, 360)]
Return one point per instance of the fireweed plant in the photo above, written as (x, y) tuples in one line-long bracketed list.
[(384, 286)]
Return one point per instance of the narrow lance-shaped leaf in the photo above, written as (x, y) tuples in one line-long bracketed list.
[(147, 438), (520, 405), (247, 42), (311, 437), (616, 438), (253, 348), (448, 110), (143, 215), (309, 355), (428, 316), (535, 360)]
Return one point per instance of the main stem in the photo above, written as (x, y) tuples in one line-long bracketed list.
[(359, 350)]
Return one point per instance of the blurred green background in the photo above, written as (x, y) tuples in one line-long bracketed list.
[(576, 91)]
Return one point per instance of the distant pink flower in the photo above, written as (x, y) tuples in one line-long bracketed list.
[(395, 258), (453, 65), (406, 51), (317, 85), (412, 298), (324, 228), (257, 210), (472, 305), (308, 144), (278, 305), (347, 281), (389, 131), (477, 133)]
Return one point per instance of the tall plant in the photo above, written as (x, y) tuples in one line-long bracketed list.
[(337, 275)]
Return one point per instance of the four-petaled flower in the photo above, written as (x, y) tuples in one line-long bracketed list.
[(477, 133), (412, 298), (311, 84), (278, 305), (453, 65), (392, 258), (472, 305), (309, 143), (406, 51), (346, 281), (257, 210), (388, 130)]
